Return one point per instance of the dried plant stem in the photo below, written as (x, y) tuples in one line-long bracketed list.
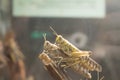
[(17, 70)]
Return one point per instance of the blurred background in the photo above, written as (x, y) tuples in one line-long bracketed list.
[(100, 35)]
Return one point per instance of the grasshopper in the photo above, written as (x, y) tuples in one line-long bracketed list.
[(73, 53), (52, 68), (53, 51), (64, 60), (69, 48)]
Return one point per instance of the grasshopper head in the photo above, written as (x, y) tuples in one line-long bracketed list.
[(45, 58), (48, 46), (59, 39)]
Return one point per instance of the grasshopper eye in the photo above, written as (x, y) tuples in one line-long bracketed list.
[(47, 43), (60, 37)]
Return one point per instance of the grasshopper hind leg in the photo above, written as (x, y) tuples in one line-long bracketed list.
[(68, 62)]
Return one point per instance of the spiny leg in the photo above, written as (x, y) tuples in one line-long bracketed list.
[(58, 61), (71, 62), (82, 53)]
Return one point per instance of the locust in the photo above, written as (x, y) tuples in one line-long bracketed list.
[(69, 48), (52, 68), (61, 59), (76, 55), (53, 51)]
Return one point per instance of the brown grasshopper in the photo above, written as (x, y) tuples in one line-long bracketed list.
[(52, 68), (64, 60), (76, 56)]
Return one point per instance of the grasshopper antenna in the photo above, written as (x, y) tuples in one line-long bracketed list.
[(44, 35), (102, 78), (54, 32)]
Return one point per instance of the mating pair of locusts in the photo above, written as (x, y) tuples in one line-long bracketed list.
[(67, 55)]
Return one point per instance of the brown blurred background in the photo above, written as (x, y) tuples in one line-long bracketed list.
[(102, 36)]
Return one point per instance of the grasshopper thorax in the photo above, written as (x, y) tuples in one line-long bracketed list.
[(49, 46)]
